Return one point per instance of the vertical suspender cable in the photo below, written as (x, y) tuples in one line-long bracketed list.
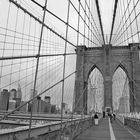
[(85, 22), (125, 20), (130, 22), (113, 21), (121, 14), (136, 21), (37, 65), (64, 68), (78, 23), (13, 45), (99, 15), (5, 37), (118, 29), (89, 23)]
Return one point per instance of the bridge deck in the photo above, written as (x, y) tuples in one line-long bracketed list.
[(109, 131)]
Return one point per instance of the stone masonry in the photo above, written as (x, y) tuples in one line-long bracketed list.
[(107, 59)]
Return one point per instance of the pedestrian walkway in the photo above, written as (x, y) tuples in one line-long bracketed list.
[(99, 132), (109, 131), (122, 132)]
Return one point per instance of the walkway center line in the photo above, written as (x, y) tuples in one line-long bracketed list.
[(112, 136)]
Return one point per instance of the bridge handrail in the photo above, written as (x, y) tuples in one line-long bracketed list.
[(49, 127), (120, 118)]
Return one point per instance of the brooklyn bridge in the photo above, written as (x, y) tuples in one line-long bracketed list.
[(69, 70)]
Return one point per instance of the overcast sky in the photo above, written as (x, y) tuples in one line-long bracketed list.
[(59, 7), (106, 7)]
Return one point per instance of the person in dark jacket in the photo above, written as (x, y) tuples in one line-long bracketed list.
[(114, 116), (95, 116), (103, 114), (96, 119)]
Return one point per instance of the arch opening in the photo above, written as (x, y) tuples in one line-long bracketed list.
[(120, 91), (95, 96)]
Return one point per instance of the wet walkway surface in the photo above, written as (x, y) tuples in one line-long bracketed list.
[(109, 131)]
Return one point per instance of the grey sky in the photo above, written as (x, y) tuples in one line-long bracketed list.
[(51, 67), (106, 7)]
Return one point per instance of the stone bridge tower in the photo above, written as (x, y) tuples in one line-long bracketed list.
[(107, 59)]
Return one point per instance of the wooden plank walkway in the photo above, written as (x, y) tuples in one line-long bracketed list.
[(109, 131)]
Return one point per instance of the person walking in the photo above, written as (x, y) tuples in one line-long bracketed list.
[(96, 119), (114, 116), (110, 116), (103, 114)]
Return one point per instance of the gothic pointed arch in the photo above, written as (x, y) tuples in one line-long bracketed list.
[(120, 90), (124, 67), (95, 90), (92, 68)]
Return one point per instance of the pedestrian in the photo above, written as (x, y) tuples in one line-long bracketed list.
[(96, 119), (110, 116), (114, 116), (103, 114)]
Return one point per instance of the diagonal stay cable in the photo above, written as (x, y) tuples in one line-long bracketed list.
[(57, 17), (79, 99), (99, 15), (34, 17), (121, 21), (37, 96), (113, 21), (119, 35)]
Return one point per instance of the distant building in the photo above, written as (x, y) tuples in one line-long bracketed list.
[(124, 104), (34, 106), (40, 106), (19, 92), (53, 109), (91, 100), (29, 107), (64, 107), (24, 108), (37, 105), (47, 99), (58, 110), (18, 102), (4, 100), (115, 105), (47, 108), (12, 104), (13, 94)]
